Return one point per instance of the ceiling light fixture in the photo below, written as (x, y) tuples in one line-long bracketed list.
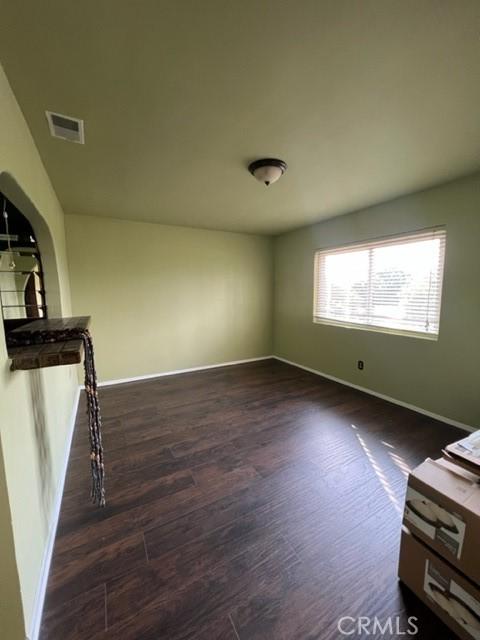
[(267, 170)]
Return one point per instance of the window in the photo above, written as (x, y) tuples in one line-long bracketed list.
[(393, 284)]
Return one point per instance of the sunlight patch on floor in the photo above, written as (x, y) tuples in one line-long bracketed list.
[(387, 487)]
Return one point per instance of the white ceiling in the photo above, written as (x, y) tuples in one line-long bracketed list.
[(365, 100)]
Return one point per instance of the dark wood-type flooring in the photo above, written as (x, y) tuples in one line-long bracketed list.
[(248, 502)]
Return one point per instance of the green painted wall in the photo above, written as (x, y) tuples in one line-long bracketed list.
[(11, 614), (164, 298), (35, 407), (442, 377)]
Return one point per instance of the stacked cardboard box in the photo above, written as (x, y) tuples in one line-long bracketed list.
[(440, 547)]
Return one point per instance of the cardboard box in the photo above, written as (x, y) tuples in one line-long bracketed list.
[(442, 508), (453, 598)]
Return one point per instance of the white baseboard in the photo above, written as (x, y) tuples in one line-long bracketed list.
[(430, 414), (107, 383), (412, 407), (47, 556)]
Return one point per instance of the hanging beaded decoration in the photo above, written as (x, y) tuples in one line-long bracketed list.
[(93, 409)]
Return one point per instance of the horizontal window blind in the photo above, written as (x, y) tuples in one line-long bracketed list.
[(393, 283)]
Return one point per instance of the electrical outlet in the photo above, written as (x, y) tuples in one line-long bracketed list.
[(360, 365)]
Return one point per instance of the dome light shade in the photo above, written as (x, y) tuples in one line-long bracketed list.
[(267, 170)]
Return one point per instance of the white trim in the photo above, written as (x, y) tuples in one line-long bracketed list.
[(107, 383), (47, 555), (412, 407), (422, 335)]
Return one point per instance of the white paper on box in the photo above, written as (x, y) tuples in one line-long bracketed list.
[(453, 599), (471, 444), (426, 515)]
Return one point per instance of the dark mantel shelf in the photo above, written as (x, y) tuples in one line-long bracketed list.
[(34, 354)]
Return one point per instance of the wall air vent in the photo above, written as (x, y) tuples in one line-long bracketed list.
[(65, 127)]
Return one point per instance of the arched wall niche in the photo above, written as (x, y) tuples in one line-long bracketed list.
[(13, 191)]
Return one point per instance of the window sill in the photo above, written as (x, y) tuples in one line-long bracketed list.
[(372, 328)]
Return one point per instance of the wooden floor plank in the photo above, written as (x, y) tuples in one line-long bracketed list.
[(78, 618), (251, 502)]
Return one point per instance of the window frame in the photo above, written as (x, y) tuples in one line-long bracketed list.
[(372, 327)]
